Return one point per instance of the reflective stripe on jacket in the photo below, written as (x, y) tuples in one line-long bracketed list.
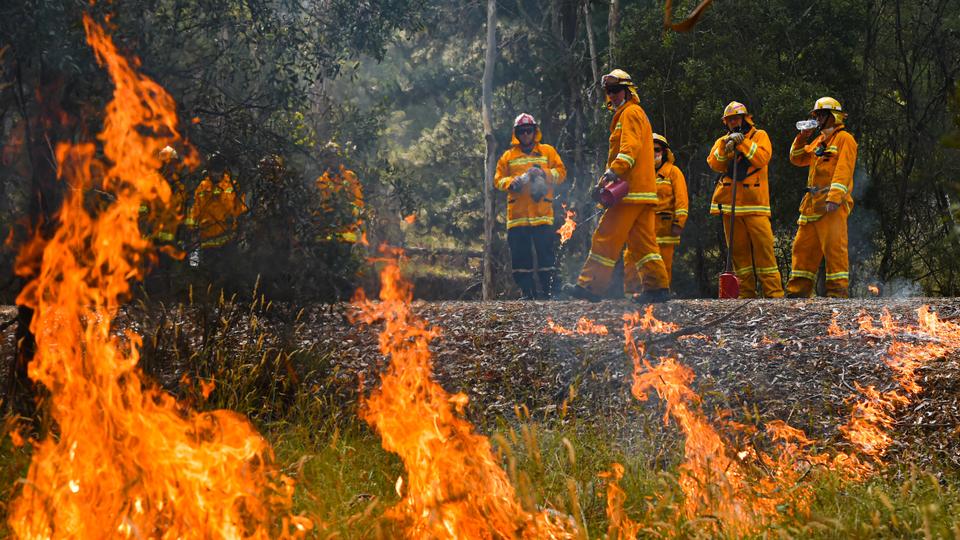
[(830, 177), (215, 210), (672, 193), (753, 191)]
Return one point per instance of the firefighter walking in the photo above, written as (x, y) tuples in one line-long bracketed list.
[(632, 219), (822, 226), (216, 205), (528, 172), (744, 153), (672, 210)]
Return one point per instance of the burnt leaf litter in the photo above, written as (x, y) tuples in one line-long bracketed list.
[(767, 360)]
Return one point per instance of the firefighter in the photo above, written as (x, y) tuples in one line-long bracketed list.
[(216, 205), (672, 207), (528, 172), (744, 152), (337, 188), (822, 226), (632, 219), (164, 220)]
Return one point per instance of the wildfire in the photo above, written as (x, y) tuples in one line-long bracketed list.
[(619, 525), (874, 290), (584, 326), (126, 459), (649, 323), (569, 225), (454, 486), (834, 328)]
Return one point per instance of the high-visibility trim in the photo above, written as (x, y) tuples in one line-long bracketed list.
[(662, 180), (527, 160), (804, 219), (555, 173), (812, 276), (667, 240), (838, 275), (765, 210), (600, 259), (839, 186), (647, 258), (216, 241), (768, 269), (681, 212), (832, 149), (228, 190), (798, 152), (718, 157), (189, 222), (144, 209), (746, 270), (217, 191), (618, 126), (504, 182), (753, 150), (641, 196), (627, 158), (165, 236), (529, 221)]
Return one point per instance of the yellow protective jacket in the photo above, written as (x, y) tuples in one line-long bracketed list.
[(753, 191), (163, 220), (216, 207), (672, 192), (345, 184), (631, 152), (522, 210), (831, 174)]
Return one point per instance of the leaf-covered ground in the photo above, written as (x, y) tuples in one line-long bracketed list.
[(765, 360)]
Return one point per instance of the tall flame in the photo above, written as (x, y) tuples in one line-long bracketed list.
[(569, 225), (127, 460), (454, 487)]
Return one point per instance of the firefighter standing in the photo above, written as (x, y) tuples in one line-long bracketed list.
[(744, 153), (672, 209), (163, 220), (338, 189), (632, 220), (822, 226), (528, 172), (216, 205)]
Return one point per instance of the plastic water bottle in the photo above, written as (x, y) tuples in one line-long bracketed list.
[(807, 124), (195, 258)]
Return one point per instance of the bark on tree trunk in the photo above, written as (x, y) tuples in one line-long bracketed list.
[(613, 25), (491, 143), (593, 61)]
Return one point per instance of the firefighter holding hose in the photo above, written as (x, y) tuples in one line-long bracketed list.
[(628, 190), (822, 227), (742, 155), (528, 172)]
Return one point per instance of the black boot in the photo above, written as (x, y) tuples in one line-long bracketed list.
[(524, 280), (546, 285), (578, 292), (654, 296)]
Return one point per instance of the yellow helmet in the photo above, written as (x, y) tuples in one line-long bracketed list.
[(617, 77), (661, 139), (733, 109), (829, 104), (167, 153)]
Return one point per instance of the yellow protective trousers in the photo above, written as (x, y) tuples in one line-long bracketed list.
[(665, 241), (633, 225), (825, 237), (753, 258)]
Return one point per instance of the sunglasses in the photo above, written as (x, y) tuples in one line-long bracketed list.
[(658, 149), (525, 131), (613, 89)]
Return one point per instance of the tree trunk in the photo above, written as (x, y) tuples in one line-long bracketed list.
[(592, 96), (613, 25), (491, 143)]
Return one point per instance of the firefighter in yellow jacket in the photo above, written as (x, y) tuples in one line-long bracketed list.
[(162, 221), (632, 220), (822, 226), (744, 152), (216, 205), (672, 209), (528, 172), (342, 187)]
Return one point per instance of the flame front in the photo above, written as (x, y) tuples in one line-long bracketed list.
[(127, 460), (569, 225), (454, 486)]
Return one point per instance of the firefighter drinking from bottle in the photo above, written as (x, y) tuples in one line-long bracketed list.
[(743, 155), (628, 190), (822, 227), (672, 207), (528, 172)]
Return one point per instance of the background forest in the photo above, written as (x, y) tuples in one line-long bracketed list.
[(396, 86)]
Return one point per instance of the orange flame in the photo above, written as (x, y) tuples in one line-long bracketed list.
[(834, 328), (584, 326), (410, 219), (649, 323), (874, 290), (569, 225), (454, 486), (619, 526), (127, 459)]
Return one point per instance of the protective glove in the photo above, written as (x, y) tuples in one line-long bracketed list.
[(519, 182), (736, 137), (730, 147), (608, 177)]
